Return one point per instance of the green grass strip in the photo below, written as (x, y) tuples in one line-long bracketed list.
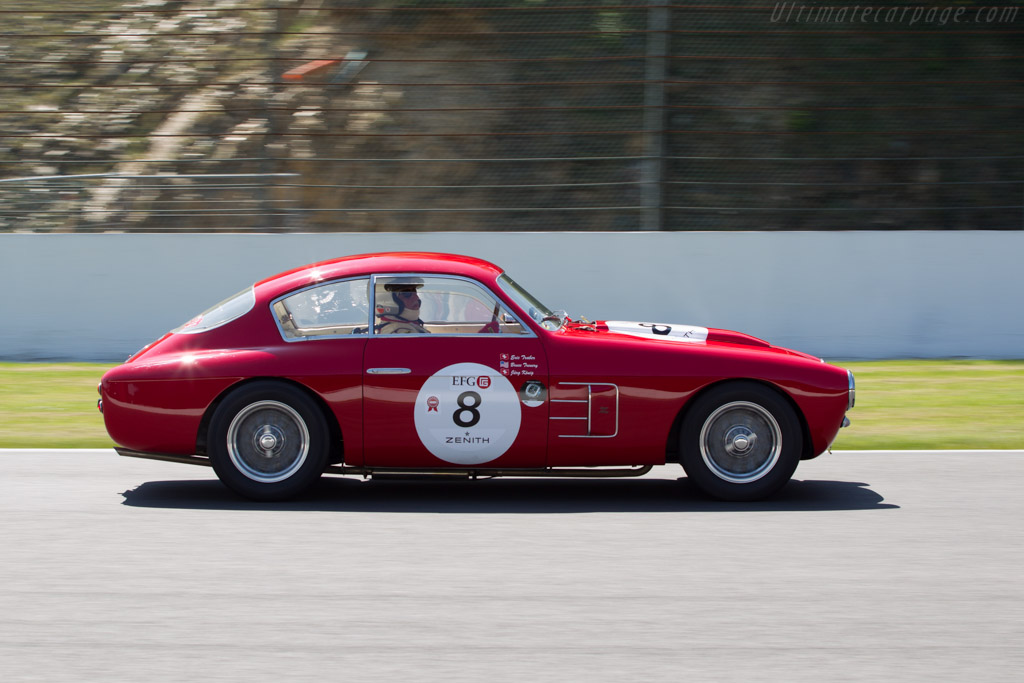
[(900, 405), (936, 404), (51, 405)]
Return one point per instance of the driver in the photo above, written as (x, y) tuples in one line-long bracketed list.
[(400, 315)]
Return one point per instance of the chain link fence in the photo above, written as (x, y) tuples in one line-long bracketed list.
[(493, 115)]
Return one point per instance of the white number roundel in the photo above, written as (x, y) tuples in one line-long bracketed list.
[(467, 414)]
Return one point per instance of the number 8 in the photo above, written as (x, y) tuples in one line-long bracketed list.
[(472, 409)]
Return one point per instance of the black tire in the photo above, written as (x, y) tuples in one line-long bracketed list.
[(740, 441), (268, 441)]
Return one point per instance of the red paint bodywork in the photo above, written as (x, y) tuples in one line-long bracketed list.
[(160, 400)]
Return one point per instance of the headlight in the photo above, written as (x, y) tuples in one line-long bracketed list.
[(852, 392)]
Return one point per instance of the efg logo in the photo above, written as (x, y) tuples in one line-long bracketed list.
[(481, 382)]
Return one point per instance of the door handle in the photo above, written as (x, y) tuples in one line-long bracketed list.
[(389, 371)]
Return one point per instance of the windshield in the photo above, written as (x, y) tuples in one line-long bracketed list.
[(526, 301)]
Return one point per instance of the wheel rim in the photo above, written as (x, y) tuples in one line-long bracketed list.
[(740, 442), (268, 441)]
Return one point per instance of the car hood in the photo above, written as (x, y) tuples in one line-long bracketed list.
[(674, 333)]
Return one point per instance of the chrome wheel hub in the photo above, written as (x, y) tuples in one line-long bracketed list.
[(268, 439), (740, 442)]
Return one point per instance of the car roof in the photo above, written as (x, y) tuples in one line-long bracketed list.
[(386, 262)]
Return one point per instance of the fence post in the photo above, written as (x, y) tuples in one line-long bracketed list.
[(658, 18)]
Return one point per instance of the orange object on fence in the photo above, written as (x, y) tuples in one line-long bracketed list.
[(299, 72)]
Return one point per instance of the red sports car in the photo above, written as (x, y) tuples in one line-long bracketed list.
[(420, 363)]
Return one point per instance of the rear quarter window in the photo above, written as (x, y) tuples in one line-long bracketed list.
[(327, 310)]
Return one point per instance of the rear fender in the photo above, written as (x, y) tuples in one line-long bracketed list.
[(337, 442)]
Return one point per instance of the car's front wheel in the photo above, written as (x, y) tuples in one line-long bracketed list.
[(268, 441), (740, 441)]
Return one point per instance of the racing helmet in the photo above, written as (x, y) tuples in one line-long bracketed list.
[(386, 299)]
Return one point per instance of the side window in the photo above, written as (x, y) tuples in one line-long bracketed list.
[(438, 305), (332, 309)]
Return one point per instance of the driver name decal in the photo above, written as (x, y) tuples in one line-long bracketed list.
[(466, 414), (518, 364)]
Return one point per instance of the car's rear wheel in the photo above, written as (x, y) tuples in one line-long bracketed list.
[(740, 441), (268, 441)]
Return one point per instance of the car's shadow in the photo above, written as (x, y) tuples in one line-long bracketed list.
[(508, 496)]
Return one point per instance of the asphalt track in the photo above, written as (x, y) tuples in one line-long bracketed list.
[(869, 566)]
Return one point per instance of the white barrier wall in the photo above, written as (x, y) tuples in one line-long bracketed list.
[(837, 295)]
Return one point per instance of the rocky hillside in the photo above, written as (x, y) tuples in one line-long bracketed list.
[(499, 115)]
